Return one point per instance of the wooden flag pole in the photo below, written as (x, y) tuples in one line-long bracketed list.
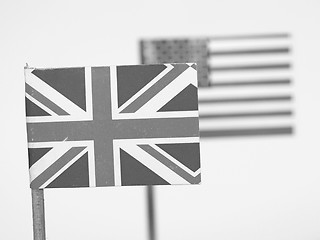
[(39, 232), (151, 213)]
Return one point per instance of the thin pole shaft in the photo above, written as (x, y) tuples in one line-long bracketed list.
[(151, 213), (39, 232), (150, 189)]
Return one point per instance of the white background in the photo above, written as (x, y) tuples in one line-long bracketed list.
[(253, 188)]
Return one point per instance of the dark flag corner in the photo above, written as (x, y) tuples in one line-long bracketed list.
[(113, 126)]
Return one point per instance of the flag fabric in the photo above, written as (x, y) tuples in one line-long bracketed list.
[(112, 126), (245, 80)]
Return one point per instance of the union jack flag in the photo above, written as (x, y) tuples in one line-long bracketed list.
[(113, 126)]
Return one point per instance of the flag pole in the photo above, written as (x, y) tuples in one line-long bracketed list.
[(151, 213), (39, 232), (150, 189), (37, 195)]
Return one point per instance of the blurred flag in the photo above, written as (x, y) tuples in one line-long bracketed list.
[(112, 126), (246, 81)]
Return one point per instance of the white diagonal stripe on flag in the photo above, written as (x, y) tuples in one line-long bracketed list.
[(39, 104), (153, 164), (65, 167), (175, 161), (147, 86), (169, 92), (47, 160), (53, 95)]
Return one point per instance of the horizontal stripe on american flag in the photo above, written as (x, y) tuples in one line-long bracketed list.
[(241, 132)]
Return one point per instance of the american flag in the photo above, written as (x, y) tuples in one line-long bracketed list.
[(112, 126), (245, 80)]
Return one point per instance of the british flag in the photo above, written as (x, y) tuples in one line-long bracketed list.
[(112, 126)]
